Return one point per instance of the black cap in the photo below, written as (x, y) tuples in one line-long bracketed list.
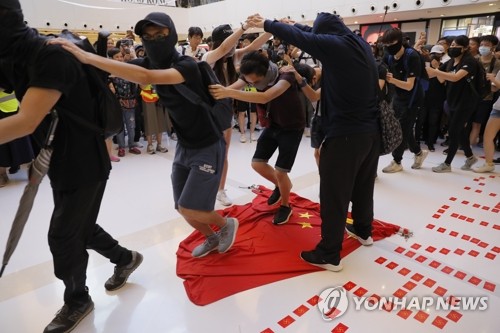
[(221, 32), (155, 18)]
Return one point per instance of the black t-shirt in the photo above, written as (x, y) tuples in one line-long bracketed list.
[(191, 122), (286, 111), (402, 73), (459, 95), (80, 154)]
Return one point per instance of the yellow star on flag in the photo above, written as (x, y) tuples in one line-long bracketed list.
[(305, 225), (306, 215)]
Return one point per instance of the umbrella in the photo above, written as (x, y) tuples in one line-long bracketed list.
[(37, 171)]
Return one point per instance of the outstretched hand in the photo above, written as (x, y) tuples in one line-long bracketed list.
[(80, 54), (218, 91)]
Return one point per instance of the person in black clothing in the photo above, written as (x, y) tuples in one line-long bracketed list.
[(199, 155), (404, 73), (45, 77), (350, 151), (460, 98)]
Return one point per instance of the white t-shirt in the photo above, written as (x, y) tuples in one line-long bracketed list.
[(188, 50)]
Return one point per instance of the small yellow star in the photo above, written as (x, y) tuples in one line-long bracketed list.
[(349, 221), (305, 225), (306, 215)]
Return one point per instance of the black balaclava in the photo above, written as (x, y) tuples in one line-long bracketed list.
[(161, 53), (18, 42)]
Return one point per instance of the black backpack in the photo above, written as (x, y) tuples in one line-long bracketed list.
[(481, 87), (219, 109), (111, 118)]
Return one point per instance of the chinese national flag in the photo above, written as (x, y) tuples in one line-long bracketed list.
[(262, 253)]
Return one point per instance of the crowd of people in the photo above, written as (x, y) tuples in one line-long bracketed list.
[(291, 84)]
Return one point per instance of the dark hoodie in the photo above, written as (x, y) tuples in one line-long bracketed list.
[(349, 80)]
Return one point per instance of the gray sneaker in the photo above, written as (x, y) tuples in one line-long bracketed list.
[(419, 159), (121, 274), (443, 167), (227, 234), (210, 244), (469, 162)]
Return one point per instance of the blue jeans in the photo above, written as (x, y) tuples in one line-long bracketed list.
[(129, 121)]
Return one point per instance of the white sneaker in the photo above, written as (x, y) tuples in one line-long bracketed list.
[(393, 167), (441, 168), (307, 132), (419, 159), (484, 168), (469, 162), (243, 138), (222, 197), (253, 137)]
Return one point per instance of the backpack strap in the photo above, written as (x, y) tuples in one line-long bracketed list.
[(196, 99)]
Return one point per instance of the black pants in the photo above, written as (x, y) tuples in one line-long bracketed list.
[(72, 231), (458, 133), (347, 167), (407, 117)]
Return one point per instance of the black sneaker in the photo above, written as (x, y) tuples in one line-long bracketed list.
[(67, 318), (282, 215), (349, 228), (274, 197), (315, 259), (496, 160), (121, 274), (431, 147)]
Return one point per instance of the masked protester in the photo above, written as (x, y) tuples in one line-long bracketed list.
[(45, 77), (199, 156), (460, 98)]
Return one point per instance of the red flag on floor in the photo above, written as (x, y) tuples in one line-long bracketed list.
[(262, 253)]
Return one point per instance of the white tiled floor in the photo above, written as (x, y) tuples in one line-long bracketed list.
[(138, 210)]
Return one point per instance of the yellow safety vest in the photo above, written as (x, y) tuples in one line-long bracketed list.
[(149, 95), (8, 102)]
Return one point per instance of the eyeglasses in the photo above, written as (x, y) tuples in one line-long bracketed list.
[(156, 38)]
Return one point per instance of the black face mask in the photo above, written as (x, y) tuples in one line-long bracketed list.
[(393, 49), (454, 52)]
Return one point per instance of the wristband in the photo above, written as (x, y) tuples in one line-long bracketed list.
[(303, 83), (242, 24)]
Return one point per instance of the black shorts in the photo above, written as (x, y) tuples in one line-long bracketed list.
[(286, 141)]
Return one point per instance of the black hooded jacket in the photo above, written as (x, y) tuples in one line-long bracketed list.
[(350, 78)]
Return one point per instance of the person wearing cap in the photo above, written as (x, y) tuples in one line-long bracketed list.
[(434, 100), (199, 155), (45, 77), (224, 58)]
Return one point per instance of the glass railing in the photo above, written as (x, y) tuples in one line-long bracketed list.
[(173, 3)]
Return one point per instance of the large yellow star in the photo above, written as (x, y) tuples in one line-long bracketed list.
[(305, 225), (306, 215)]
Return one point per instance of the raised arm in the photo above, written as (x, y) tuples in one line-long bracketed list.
[(126, 71), (212, 56)]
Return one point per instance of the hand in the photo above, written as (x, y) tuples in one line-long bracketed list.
[(217, 91), (431, 71), (490, 77), (287, 21), (389, 77), (255, 21), (80, 54)]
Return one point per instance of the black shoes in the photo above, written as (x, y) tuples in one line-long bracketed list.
[(121, 274), (67, 318), (282, 215), (274, 197), (313, 258)]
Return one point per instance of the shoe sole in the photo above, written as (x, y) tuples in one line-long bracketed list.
[(224, 203), (236, 225), (141, 258), (285, 221), (328, 267), (361, 240), (206, 253)]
